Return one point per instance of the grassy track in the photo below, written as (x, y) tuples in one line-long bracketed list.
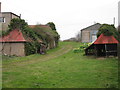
[(60, 68)]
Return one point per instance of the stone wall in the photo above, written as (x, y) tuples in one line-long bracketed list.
[(86, 34), (8, 17), (17, 49)]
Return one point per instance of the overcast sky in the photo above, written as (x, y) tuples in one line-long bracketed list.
[(69, 16)]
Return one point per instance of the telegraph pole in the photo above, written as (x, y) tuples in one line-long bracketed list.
[(119, 28)]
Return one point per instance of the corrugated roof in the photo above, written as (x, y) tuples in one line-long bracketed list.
[(14, 36), (90, 26), (102, 39)]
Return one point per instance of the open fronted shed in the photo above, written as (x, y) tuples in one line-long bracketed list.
[(103, 46)]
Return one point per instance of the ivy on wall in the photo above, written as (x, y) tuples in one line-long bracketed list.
[(33, 35), (108, 30)]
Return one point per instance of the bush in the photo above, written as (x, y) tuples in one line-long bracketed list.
[(82, 47), (108, 30), (32, 46)]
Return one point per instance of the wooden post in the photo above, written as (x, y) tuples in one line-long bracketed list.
[(106, 50), (95, 51)]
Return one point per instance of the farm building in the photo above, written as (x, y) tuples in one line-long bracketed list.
[(89, 34), (5, 18), (49, 36), (14, 43), (103, 46)]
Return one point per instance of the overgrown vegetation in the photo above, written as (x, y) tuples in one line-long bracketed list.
[(52, 25), (31, 46), (48, 35), (108, 30), (34, 36), (81, 48)]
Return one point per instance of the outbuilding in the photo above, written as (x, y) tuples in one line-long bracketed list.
[(88, 34), (103, 46), (13, 43)]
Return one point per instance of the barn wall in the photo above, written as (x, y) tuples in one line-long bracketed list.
[(85, 36), (13, 49), (51, 44), (8, 17)]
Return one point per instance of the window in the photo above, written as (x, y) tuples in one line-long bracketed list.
[(2, 19)]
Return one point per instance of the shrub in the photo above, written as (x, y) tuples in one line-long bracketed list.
[(108, 30), (82, 47), (31, 47)]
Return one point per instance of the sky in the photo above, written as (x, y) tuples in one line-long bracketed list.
[(69, 16)]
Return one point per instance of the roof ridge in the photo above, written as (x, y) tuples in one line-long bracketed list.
[(91, 26)]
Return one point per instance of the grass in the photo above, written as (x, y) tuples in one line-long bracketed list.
[(60, 68)]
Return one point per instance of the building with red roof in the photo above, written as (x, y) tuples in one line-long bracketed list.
[(102, 39), (103, 46), (13, 43), (14, 36)]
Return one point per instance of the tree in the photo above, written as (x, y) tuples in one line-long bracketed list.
[(108, 30), (52, 25), (17, 23), (78, 37), (32, 46)]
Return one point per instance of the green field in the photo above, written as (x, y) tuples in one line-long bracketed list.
[(60, 68)]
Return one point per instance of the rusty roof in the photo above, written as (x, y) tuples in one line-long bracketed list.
[(14, 36), (102, 39)]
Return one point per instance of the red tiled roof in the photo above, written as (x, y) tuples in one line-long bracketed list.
[(102, 39), (14, 36)]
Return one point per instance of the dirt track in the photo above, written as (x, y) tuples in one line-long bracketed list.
[(46, 57)]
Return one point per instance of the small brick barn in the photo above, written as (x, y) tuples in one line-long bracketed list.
[(103, 46), (14, 43)]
